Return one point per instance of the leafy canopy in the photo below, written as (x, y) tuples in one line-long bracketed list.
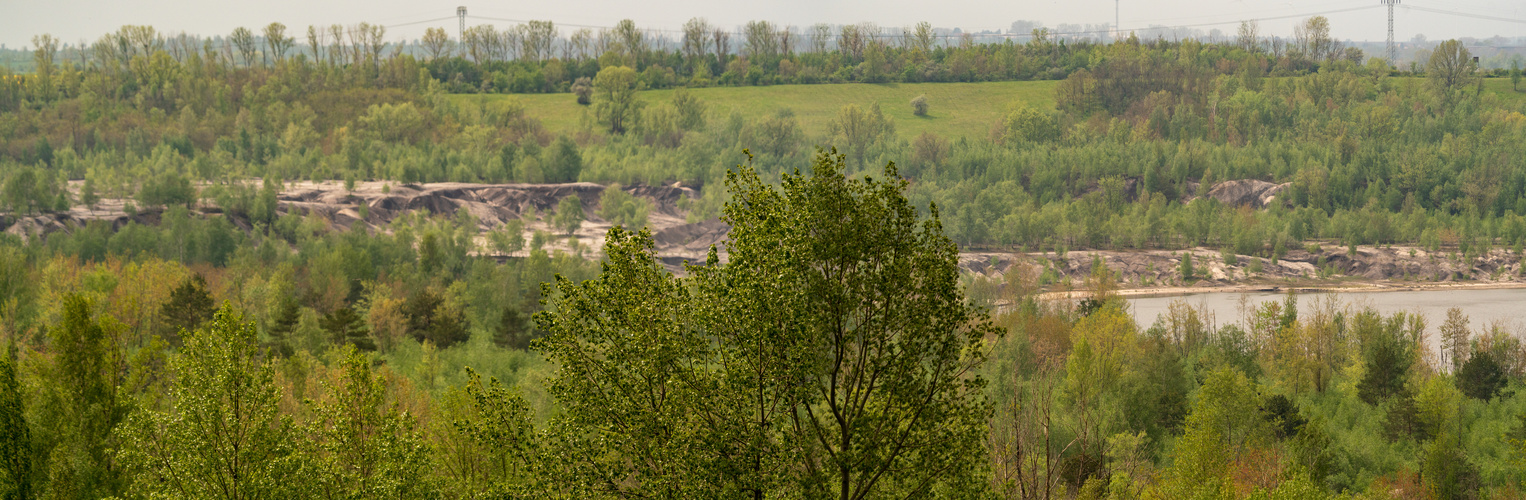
[(832, 355)]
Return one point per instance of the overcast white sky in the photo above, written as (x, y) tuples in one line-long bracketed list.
[(75, 20)]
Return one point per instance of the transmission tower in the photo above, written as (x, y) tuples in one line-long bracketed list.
[(461, 13), (1392, 51)]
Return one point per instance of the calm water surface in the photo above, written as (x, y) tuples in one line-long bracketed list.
[(1483, 307)]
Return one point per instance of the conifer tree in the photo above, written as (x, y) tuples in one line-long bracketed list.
[(346, 327), (188, 307)]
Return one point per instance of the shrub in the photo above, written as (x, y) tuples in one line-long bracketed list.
[(583, 88), (919, 105)]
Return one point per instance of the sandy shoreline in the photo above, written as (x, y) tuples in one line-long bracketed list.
[(1349, 287)]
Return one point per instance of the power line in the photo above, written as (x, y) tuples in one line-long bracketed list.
[(1464, 14), (419, 22)]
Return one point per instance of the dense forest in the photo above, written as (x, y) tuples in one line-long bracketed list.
[(232, 345)]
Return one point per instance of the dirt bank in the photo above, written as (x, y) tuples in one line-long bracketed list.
[(1138, 272)]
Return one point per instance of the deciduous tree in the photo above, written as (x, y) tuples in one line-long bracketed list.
[(361, 444), (276, 42), (436, 43), (832, 356), (15, 436), (569, 214), (223, 436), (615, 100), (1450, 70)]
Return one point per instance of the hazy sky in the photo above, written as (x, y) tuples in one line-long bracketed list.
[(75, 20)]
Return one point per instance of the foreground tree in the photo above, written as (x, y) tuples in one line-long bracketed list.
[(831, 357), (485, 441), (223, 437), (361, 444), (82, 406), (15, 436)]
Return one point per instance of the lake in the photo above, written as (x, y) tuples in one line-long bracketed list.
[(1483, 307)]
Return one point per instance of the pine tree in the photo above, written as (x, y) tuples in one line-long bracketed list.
[(512, 331), (188, 307), (347, 327), (1481, 376), (430, 318), (286, 321)]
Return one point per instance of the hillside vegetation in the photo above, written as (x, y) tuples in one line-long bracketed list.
[(377, 268), (957, 109)]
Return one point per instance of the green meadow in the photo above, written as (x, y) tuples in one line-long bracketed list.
[(955, 109)]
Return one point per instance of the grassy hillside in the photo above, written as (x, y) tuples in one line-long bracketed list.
[(956, 109), (1501, 87)]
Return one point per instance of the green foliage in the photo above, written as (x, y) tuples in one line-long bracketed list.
[(1283, 416), (396, 123), (188, 306), (1224, 421), (1027, 125), (84, 407), (345, 327), (778, 134), (637, 322), (1451, 70), (287, 314), (1481, 377), (513, 330), (510, 238), (1447, 471), (15, 436), (27, 190), (1515, 75), (1187, 270), (431, 319), (919, 105), (569, 214), (1404, 421), (582, 88), (490, 449), (1388, 353), (615, 98), (223, 435), (855, 129), (166, 189), (1102, 154), (365, 447), (563, 162), (621, 208), (691, 110)]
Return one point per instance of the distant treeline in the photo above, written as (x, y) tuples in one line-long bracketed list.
[(1141, 127)]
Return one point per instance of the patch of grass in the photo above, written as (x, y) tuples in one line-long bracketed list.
[(1501, 87), (957, 109)]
